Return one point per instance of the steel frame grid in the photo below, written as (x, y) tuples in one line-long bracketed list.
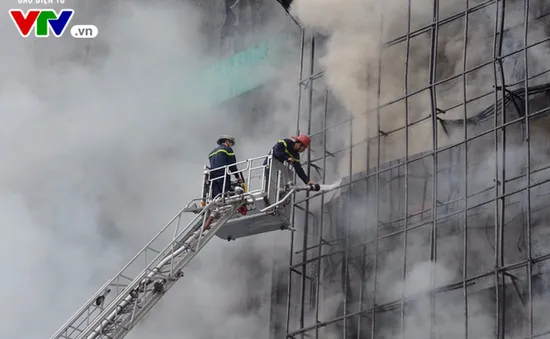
[(498, 131)]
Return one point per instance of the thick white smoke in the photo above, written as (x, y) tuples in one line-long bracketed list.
[(356, 31), (351, 71)]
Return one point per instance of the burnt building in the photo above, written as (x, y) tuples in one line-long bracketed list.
[(439, 226)]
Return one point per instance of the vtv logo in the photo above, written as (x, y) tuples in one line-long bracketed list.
[(42, 20)]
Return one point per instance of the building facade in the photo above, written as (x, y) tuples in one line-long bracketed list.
[(439, 228), (439, 225)]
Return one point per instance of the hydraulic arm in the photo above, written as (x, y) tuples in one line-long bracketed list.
[(125, 299), (119, 305)]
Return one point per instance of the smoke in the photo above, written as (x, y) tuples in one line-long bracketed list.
[(398, 265), (364, 72), (101, 145), (350, 48)]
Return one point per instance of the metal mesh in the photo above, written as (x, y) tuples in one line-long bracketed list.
[(440, 228)]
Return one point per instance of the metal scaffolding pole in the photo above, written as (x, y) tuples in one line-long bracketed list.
[(407, 197)]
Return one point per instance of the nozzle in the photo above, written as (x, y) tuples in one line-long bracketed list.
[(312, 187), (315, 187)]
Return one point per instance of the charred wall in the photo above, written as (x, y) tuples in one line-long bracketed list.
[(371, 278), (440, 227)]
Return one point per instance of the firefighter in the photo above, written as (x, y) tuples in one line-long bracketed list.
[(289, 150), (223, 155)]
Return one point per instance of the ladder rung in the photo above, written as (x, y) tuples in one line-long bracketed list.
[(75, 329), (125, 277), (119, 285), (152, 249)]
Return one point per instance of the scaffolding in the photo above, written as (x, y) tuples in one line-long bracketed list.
[(439, 228)]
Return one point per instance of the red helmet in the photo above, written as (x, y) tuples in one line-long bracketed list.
[(304, 139)]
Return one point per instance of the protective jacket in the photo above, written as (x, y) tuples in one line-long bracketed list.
[(221, 156), (283, 150)]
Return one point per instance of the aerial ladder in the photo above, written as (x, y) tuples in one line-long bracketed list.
[(126, 298)]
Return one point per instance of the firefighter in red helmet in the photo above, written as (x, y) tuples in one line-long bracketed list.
[(289, 150)]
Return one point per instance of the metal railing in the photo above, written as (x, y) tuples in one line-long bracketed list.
[(253, 172), (119, 304)]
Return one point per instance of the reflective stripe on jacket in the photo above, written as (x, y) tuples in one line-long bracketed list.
[(222, 156), (283, 150)]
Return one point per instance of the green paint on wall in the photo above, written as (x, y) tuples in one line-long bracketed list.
[(233, 76)]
